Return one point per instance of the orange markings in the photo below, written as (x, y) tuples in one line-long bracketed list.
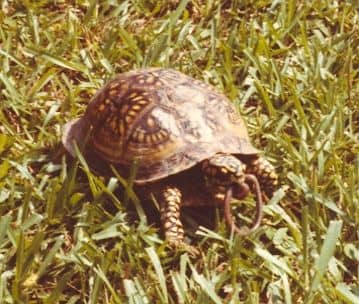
[(113, 92), (148, 139), (128, 118), (131, 112), (150, 79), (140, 136), (154, 138), (142, 102), (114, 84), (136, 107), (138, 97), (150, 122)]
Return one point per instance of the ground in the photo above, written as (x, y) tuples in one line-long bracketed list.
[(290, 68)]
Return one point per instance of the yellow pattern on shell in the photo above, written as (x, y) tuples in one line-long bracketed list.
[(166, 120)]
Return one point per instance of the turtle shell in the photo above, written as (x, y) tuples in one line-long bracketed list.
[(166, 121)]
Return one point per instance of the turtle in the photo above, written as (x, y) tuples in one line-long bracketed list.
[(190, 145)]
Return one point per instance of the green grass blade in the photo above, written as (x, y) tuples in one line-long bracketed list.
[(159, 271), (60, 286), (346, 294), (274, 263), (49, 257), (206, 286), (56, 60), (4, 224), (103, 277), (326, 253)]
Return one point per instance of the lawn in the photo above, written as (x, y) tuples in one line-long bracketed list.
[(291, 69)]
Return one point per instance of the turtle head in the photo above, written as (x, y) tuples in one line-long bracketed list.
[(222, 171), (75, 131)]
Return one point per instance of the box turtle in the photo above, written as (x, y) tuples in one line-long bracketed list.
[(190, 145)]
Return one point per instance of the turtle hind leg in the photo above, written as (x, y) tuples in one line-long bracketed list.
[(170, 203), (265, 173)]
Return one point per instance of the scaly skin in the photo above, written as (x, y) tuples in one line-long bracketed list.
[(170, 215), (172, 124), (265, 173), (222, 172)]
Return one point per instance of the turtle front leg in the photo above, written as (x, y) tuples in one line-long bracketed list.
[(170, 204), (265, 173)]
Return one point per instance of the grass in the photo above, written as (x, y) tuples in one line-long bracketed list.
[(290, 67)]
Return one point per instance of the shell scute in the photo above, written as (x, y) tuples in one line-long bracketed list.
[(165, 120)]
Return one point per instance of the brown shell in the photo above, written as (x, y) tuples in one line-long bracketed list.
[(165, 120)]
